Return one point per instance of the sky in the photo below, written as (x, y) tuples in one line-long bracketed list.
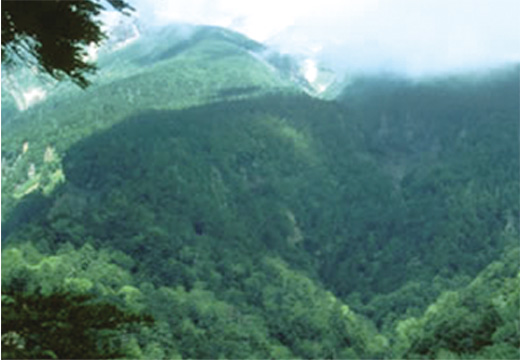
[(413, 36)]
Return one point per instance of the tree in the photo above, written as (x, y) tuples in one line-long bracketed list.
[(63, 325), (53, 35)]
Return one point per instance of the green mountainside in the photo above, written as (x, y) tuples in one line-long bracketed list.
[(216, 210)]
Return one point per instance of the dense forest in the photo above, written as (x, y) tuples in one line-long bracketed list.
[(188, 208)]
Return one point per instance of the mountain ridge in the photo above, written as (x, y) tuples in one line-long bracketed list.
[(252, 213)]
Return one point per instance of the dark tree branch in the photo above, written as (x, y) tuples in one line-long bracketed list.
[(54, 34)]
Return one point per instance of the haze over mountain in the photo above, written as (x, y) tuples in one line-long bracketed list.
[(205, 194), (128, 40), (416, 38)]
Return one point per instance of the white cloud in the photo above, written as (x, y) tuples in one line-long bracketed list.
[(310, 71), (418, 36)]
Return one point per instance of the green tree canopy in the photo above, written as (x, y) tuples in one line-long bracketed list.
[(53, 35)]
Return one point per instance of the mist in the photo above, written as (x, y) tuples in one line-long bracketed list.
[(416, 38)]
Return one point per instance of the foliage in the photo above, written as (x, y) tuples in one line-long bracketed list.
[(65, 305), (53, 35), (60, 326), (251, 220), (479, 321)]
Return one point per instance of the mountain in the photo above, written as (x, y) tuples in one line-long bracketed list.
[(225, 212), (128, 81), (238, 66)]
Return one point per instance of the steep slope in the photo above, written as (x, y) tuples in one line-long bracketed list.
[(210, 203), (451, 148), (203, 210), (215, 64), (197, 184)]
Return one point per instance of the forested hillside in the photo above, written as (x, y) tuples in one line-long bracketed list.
[(216, 210)]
